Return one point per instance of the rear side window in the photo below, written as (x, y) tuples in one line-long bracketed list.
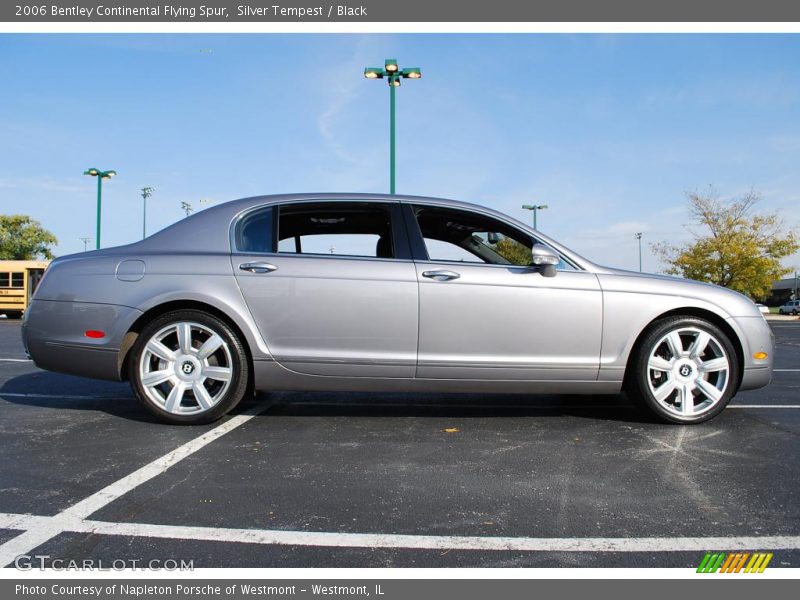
[(4, 280), (18, 280), (341, 229), (254, 232)]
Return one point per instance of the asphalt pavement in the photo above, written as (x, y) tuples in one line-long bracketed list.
[(395, 480)]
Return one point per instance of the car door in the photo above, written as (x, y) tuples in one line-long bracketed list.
[(331, 286), (486, 314)]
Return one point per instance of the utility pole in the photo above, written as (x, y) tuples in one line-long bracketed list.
[(185, 206), (85, 241)]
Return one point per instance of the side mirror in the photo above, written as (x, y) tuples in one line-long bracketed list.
[(546, 259)]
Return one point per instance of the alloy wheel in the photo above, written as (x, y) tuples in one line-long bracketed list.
[(688, 372), (186, 368)]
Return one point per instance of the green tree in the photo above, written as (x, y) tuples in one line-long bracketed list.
[(513, 251), (734, 248), (22, 238)]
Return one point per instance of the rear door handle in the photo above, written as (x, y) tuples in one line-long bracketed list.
[(441, 275), (258, 267)]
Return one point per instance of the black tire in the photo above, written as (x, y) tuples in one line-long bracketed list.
[(231, 356), (643, 379), (13, 314)]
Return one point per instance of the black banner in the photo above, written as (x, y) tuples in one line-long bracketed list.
[(106, 11), (390, 589)]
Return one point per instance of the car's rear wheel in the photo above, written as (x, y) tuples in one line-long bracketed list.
[(189, 367), (685, 370)]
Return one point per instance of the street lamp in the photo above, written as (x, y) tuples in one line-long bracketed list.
[(100, 176), (639, 237), (534, 208), (146, 193), (393, 74)]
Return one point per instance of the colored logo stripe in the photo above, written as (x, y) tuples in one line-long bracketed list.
[(733, 563)]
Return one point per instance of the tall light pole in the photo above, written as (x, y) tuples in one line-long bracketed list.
[(85, 241), (535, 208), (392, 73), (185, 206), (146, 193), (100, 176), (639, 237)]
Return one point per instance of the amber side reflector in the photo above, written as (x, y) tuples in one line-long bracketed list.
[(760, 355), (93, 333)]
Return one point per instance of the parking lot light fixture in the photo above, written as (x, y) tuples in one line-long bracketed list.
[(639, 238), (535, 208), (94, 172), (146, 193), (393, 74)]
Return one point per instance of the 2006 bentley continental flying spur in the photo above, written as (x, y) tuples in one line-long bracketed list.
[(355, 292)]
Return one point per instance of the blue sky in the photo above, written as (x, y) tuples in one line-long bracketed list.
[(609, 130)]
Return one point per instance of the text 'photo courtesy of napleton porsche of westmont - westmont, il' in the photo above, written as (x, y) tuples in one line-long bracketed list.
[(391, 306)]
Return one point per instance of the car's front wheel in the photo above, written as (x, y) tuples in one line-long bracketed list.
[(685, 370), (189, 367)]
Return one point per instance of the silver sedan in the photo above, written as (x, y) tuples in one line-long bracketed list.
[(354, 292)]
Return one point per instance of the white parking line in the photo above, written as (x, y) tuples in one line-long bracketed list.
[(405, 541), (786, 370), (21, 360), (42, 530)]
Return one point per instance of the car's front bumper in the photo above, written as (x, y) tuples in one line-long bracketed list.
[(756, 337)]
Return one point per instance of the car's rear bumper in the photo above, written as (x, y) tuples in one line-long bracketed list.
[(54, 336)]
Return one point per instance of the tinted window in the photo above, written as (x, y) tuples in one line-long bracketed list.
[(18, 280), (462, 236), (4, 279), (343, 229), (254, 232), (455, 235)]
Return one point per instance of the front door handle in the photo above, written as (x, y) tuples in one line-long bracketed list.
[(258, 267), (441, 275)]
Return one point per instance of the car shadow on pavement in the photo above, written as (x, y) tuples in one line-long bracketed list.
[(57, 391), (341, 404)]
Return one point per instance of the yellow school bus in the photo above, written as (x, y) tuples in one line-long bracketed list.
[(18, 281)]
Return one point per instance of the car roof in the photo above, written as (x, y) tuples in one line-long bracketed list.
[(201, 231)]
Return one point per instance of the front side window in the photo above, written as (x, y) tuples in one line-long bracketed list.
[(456, 235), (342, 229), (462, 236)]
